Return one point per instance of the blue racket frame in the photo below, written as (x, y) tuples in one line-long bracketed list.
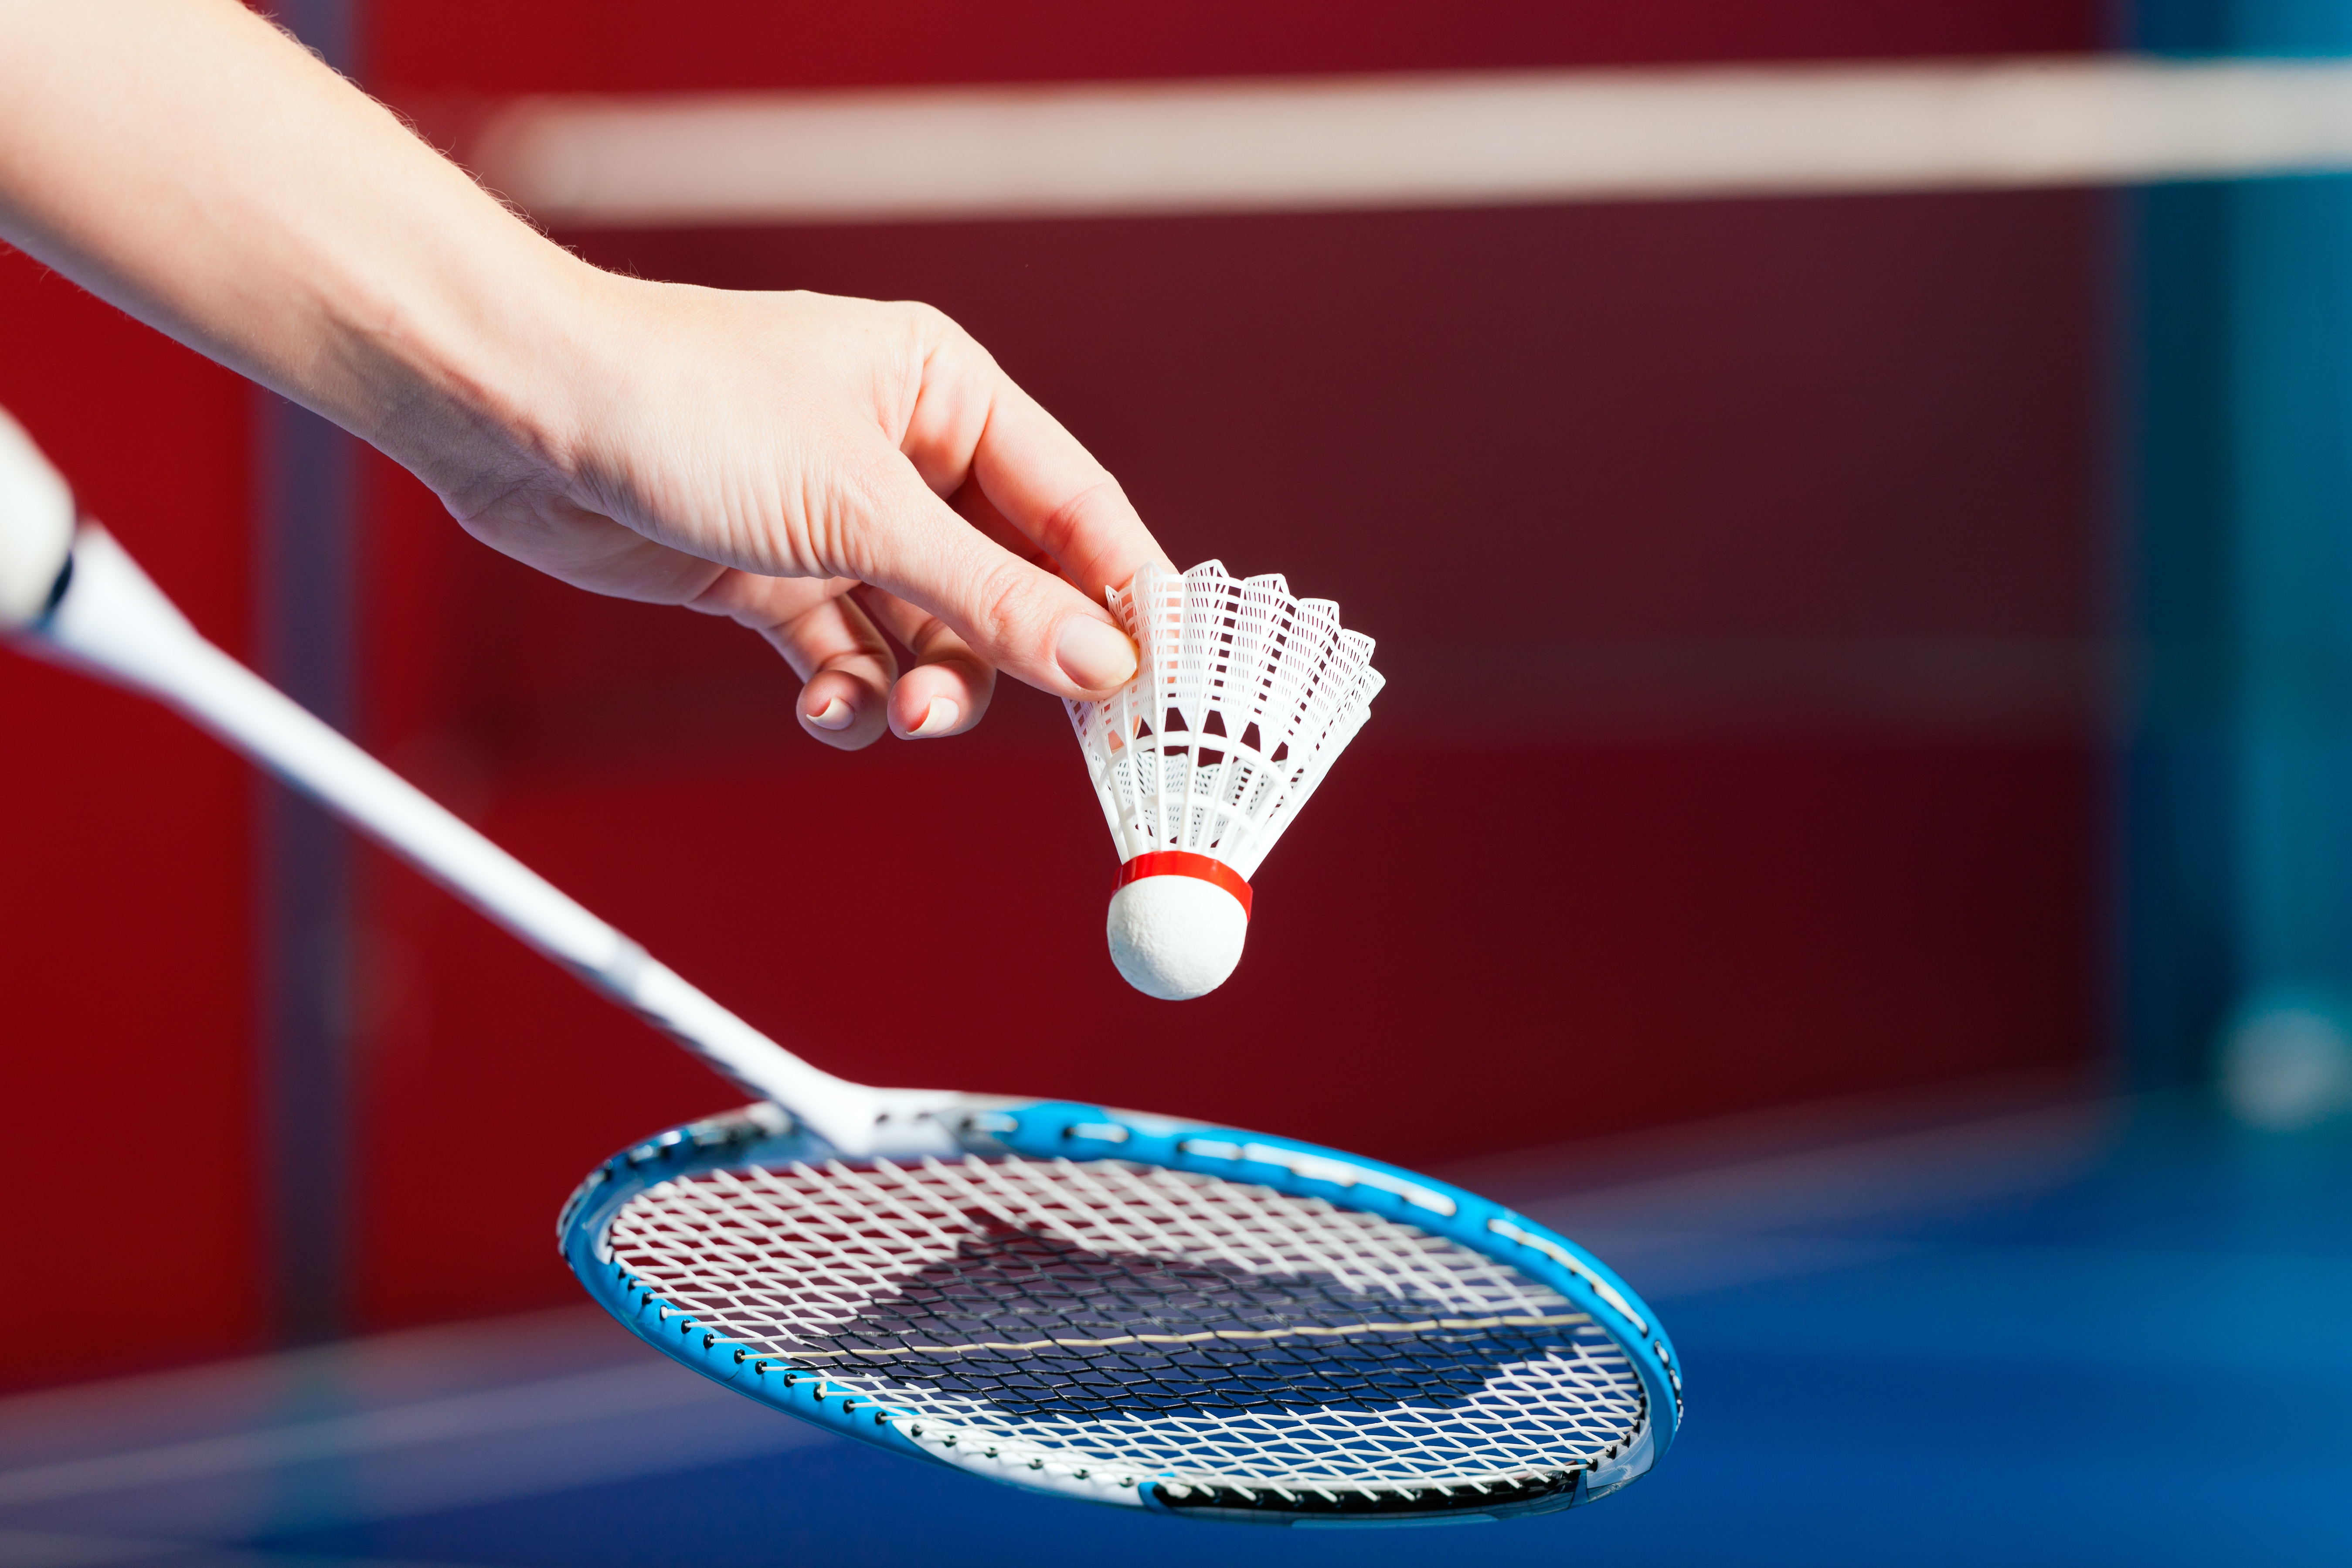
[(1047, 1129)]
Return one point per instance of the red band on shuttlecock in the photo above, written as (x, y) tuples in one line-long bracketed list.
[(1184, 863)]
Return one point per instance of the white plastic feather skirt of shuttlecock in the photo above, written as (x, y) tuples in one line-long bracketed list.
[(1243, 697)]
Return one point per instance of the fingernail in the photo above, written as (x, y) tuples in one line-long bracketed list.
[(837, 715), (1095, 654), (938, 719)]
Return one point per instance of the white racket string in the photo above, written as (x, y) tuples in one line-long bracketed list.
[(1137, 1322)]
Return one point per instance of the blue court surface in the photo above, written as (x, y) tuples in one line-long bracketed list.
[(2023, 1329)]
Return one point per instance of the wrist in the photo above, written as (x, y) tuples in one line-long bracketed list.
[(477, 389)]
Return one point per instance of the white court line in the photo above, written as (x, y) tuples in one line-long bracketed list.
[(1370, 142), (47, 1549), (610, 1394)]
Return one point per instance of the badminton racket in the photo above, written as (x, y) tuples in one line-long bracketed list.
[(1070, 1298)]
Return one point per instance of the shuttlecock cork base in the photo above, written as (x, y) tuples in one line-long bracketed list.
[(1242, 698), (1177, 923)]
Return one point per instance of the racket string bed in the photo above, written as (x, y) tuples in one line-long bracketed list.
[(1141, 1322)]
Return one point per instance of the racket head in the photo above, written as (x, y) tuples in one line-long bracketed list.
[(1379, 1348)]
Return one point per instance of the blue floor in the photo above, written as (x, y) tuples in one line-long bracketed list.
[(2062, 1335)]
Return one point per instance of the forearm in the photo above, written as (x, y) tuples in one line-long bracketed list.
[(752, 455), (190, 163)]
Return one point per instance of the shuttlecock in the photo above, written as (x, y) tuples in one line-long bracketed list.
[(1242, 698)]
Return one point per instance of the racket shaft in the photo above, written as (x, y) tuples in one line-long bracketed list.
[(115, 622)]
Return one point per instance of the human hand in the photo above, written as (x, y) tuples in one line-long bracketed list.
[(822, 470)]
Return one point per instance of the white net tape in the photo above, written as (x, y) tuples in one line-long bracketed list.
[(1139, 1322)]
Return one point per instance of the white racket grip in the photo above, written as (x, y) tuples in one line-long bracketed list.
[(114, 622), (37, 524)]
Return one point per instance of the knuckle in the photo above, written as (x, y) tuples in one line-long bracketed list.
[(933, 322), (948, 348), (1064, 523), (1009, 607)]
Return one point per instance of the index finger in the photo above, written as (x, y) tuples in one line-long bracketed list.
[(1034, 473), (1042, 481)]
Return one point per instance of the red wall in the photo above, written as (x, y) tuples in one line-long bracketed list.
[(126, 1083), (623, 45), (1661, 513)]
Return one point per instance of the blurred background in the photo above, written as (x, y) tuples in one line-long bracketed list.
[(1863, 810)]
